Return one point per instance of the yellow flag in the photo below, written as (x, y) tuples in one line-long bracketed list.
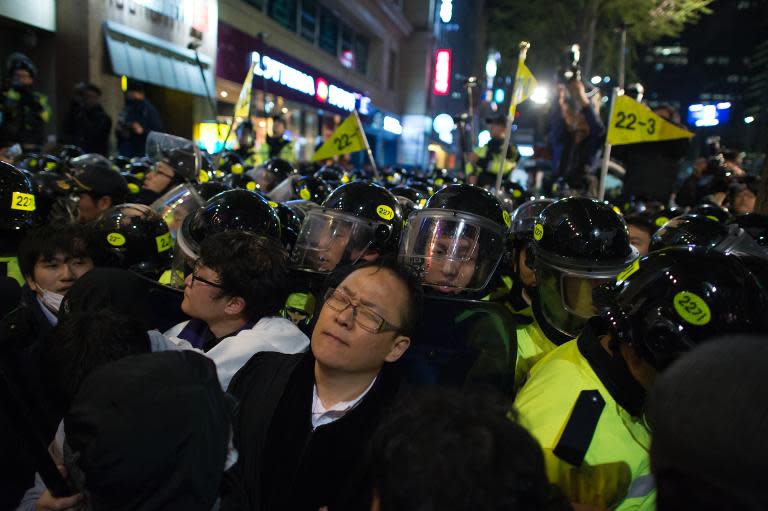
[(243, 105), (525, 82), (632, 123), (348, 138)]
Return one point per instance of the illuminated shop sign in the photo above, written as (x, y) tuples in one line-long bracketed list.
[(323, 90), (442, 72)]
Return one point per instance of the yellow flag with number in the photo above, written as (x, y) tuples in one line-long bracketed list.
[(243, 105), (525, 83), (348, 138), (632, 123)]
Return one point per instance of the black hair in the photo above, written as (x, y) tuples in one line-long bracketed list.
[(134, 85), (456, 450), (45, 241), (411, 316), (83, 342), (642, 221), (252, 267)]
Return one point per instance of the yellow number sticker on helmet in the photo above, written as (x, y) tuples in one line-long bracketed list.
[(305, 194), (507, 218), (23, 201), (250, 186), (236, 169), (345, 179), (163, 242), (385, 212), (692, 308), (629, 270), (133, 188), (538, 232), (517, 194), (711, 217), (204, 177), (661, 221), (439, 181), (273, 204), (115, 239), (422, 202)]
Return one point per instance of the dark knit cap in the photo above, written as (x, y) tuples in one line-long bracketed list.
[(708, 415)]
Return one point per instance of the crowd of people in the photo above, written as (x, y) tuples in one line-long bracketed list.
[(190, 331)]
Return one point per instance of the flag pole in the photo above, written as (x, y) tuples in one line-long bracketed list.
[(511, 116), (606, 150), (234, 114), (367, 146)]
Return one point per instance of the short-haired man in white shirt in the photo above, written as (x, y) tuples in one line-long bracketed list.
[(304, 420)]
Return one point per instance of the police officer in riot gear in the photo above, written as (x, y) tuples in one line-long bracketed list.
[(456, 245), (701, 231), (18, 215), (358, 221), (134, 237), (521, 259), (578, 244), (178, 161), (584, 401), (271, 174)]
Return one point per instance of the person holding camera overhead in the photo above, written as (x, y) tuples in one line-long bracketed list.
[(576, 131)]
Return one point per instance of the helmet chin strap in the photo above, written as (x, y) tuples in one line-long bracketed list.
[(362, 252)]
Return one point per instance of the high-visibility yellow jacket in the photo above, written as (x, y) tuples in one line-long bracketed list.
[(532, 346), (12, 269), (595, 450), (492, 165)]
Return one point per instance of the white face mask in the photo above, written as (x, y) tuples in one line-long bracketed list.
[(52, 300)]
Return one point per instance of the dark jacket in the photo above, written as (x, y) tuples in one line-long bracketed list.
[(573, 160), (129, 143), (283, 463), (87, 128), (21, 334)]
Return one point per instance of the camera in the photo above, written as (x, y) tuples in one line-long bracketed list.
[(569, 69)]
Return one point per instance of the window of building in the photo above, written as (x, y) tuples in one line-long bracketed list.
[(308, 20), (392, 71), (329, 32), (361, 54), (284, 12)]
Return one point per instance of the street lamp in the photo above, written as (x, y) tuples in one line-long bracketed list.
[(540, 95)]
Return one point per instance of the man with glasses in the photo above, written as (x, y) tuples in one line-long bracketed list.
[(234, 295), (305, 420)]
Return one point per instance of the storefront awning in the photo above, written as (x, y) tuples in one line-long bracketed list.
[(152, 60)]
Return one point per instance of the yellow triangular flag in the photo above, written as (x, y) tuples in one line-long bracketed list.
[(243, 105), (348, 138), (632, 123), (525, 83)]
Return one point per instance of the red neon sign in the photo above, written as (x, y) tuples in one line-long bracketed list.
[(321, 90), (442, 72)]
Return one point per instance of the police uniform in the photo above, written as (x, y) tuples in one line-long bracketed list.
[(587, 417), (23, 116), (489, 160), (274, 147)]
